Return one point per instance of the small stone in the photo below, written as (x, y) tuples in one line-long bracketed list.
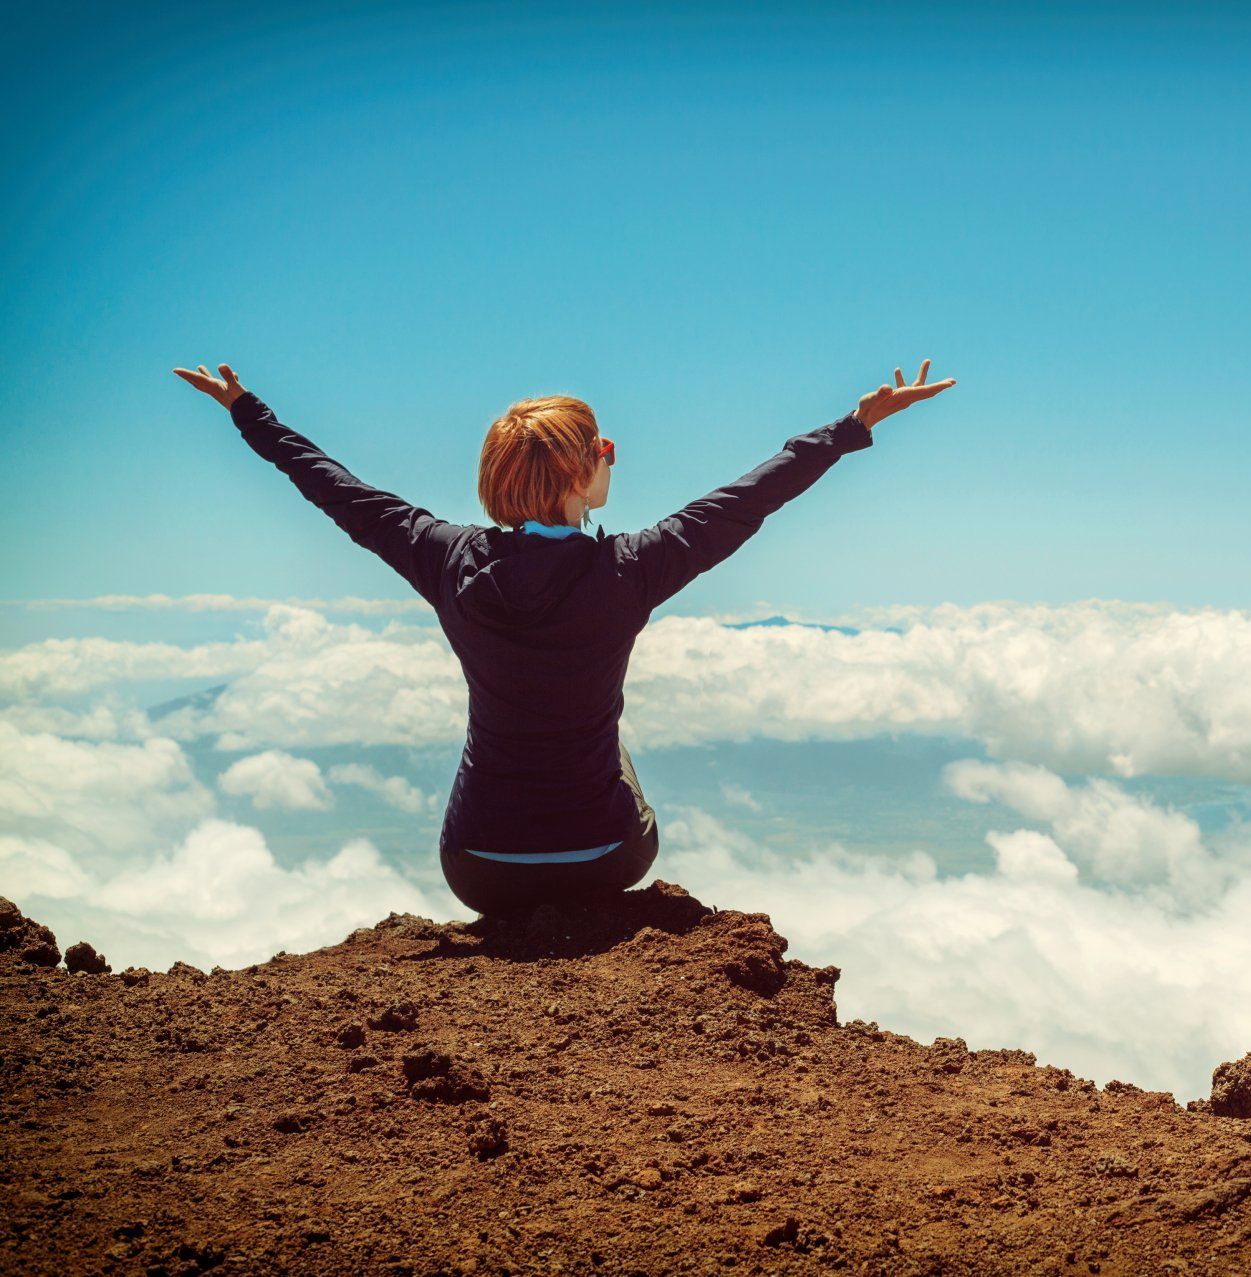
[(787, 1232), (31, 941), (434, 1075), (487, 1135), (351, 1036), (82, 957), (1231, 1088), (400, 1018), (185, 971)]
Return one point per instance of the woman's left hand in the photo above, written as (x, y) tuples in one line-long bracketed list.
[(224, 391)]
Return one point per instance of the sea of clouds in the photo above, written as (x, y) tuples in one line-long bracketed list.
[(1110, 937)]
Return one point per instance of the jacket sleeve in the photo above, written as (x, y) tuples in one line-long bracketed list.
[(411, 540), (672, 553)]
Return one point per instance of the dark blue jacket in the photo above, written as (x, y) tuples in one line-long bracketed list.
[(544, 626)]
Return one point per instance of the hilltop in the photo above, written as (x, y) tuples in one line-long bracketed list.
[(650, 1089)]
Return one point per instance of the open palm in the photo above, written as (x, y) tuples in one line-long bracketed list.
[(225, 389), (886, 400)]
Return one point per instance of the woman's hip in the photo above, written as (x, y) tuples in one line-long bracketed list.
[(511, 884), (495, 883)]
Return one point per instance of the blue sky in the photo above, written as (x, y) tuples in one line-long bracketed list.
[(719, 227), (991, 754)]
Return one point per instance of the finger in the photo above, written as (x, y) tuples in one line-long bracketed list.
[(925, 367), (229, 373), (938, 386), (899, 381)]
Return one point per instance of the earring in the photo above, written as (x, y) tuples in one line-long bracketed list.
[(586, 513)]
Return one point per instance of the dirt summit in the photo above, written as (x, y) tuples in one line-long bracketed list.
[(649, 1087)]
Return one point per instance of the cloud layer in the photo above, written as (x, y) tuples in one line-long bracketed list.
[(1108, 938), (1119, 688)]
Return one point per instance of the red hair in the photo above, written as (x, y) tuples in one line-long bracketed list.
[(532, 457)]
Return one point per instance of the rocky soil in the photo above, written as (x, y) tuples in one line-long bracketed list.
[(649, 1089)]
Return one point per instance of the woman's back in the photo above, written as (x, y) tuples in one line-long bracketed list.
[(543, 627)]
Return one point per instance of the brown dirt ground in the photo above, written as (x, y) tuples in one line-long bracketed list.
[(650, 1089)]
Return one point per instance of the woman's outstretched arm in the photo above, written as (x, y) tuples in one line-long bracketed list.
[(411, 540), (672, 553)]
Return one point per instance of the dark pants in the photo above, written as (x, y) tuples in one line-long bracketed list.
[(497, 887)]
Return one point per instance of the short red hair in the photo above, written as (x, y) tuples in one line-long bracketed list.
[(532, 457)]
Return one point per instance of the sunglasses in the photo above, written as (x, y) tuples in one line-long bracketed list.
[(606, 449)]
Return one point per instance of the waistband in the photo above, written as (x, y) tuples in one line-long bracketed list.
[(547, 857)]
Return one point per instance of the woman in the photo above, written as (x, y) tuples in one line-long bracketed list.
[(545, 805)]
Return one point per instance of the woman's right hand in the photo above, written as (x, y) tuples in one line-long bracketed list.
[(225, 389), (886, 400)]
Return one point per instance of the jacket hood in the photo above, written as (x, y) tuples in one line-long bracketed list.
[(522, 576)]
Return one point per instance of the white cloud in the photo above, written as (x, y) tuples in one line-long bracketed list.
[(69, 667), (395, 790), (1087, 687), (733, 793), (220, 898), (112, 798), (277, 779), (37, 867), (219, 603), (110, 716), (1119, 838), (1027, 855), (322, 684)]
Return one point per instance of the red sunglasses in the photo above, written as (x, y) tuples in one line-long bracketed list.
[(606, 449)]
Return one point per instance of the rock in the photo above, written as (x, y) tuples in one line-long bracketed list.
[(185, 971), (785, 1232), (487, 1136), (1231, 1088), (757, 964), (82, 957), (433, 1075), (31, 941), (11, 917), (290, 1123), (351, 1036), (399, 1018)]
